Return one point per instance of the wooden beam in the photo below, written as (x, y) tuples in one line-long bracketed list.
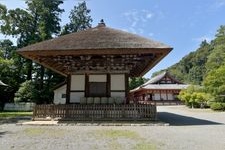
[(126, 87), (68, 89), (108, 85), (86, 85), (166, 95)]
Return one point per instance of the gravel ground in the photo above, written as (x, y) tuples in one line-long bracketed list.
[(188, 130)]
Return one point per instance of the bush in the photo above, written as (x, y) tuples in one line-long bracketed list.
[(25, 92), (218, 106), (195, 97)]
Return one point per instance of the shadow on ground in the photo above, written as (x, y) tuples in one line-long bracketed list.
[(2, 133), (14, 120), (179, 120)]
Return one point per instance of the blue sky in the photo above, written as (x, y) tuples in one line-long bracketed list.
[(182, 24)]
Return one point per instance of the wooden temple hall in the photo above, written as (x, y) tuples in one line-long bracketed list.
[(97, 64)]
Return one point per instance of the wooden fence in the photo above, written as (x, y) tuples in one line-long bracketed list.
[(94, 112), (162, 102)]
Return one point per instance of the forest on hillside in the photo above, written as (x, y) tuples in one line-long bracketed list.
[(204, 67), (194, 67)]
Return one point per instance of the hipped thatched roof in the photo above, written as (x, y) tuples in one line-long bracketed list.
[(100, 40)]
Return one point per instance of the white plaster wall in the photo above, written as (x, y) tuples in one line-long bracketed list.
[(156, 96), (78, 82), (97, 78), (58, 95), (170, 96), (163, 96), (75, 97), (118, 94), (21, 106), (118, 82)]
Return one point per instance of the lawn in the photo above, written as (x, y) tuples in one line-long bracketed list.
[(14, 114), (122, 139)]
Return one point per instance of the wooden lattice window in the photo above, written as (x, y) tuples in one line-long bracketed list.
[(97, 89)]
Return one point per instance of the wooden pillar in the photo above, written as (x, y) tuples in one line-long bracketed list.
[(166, 95), (108, 85), (160, 96), (86, 94), (68, 89), (127, 87)]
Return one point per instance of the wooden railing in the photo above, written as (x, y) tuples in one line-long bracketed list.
[(162, 102), (95, 112)]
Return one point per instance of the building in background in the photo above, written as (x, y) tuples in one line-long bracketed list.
[(163, 87)]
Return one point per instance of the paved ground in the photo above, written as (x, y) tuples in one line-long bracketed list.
[(188, 130)]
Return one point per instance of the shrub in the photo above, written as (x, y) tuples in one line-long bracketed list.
[(195, 97), (25, 92), (217, 106)]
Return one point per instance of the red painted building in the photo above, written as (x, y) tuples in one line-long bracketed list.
[(162, 87)]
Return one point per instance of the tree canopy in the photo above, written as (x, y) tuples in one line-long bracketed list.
[(80, 19), (39, 21)]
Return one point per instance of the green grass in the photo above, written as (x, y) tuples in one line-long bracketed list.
[(118, 134), (144, 146), (14, 114), (113, 137), (53, 133), (34, 131)]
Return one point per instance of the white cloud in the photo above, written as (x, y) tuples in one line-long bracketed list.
[(149, 15), (151, 34), (138, 19), (134, 24), (219, 3)]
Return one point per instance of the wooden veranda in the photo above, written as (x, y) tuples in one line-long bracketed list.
[(93, 112)]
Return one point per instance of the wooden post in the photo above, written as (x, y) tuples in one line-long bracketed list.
[(127, 87), (108, 85), (68, 89), (86, 85), (167, 95)]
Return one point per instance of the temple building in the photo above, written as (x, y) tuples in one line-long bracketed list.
[(97, 63), (163, 87)]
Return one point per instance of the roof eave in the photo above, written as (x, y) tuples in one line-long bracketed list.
[(151, 65)]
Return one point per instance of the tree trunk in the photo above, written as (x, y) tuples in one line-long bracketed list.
[(29, 70), (42, 73)]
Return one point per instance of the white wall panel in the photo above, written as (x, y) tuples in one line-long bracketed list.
[(170, 96), (58, 95), (156, 96), (117, 94), (118, 82), (163, 96), (78, 82)]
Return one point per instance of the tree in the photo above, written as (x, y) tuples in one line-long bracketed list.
[(195, 96), (191, 68), (80, 19), (136, 81), (9, 72), (25, 92), (40, 21), (215, 83)]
